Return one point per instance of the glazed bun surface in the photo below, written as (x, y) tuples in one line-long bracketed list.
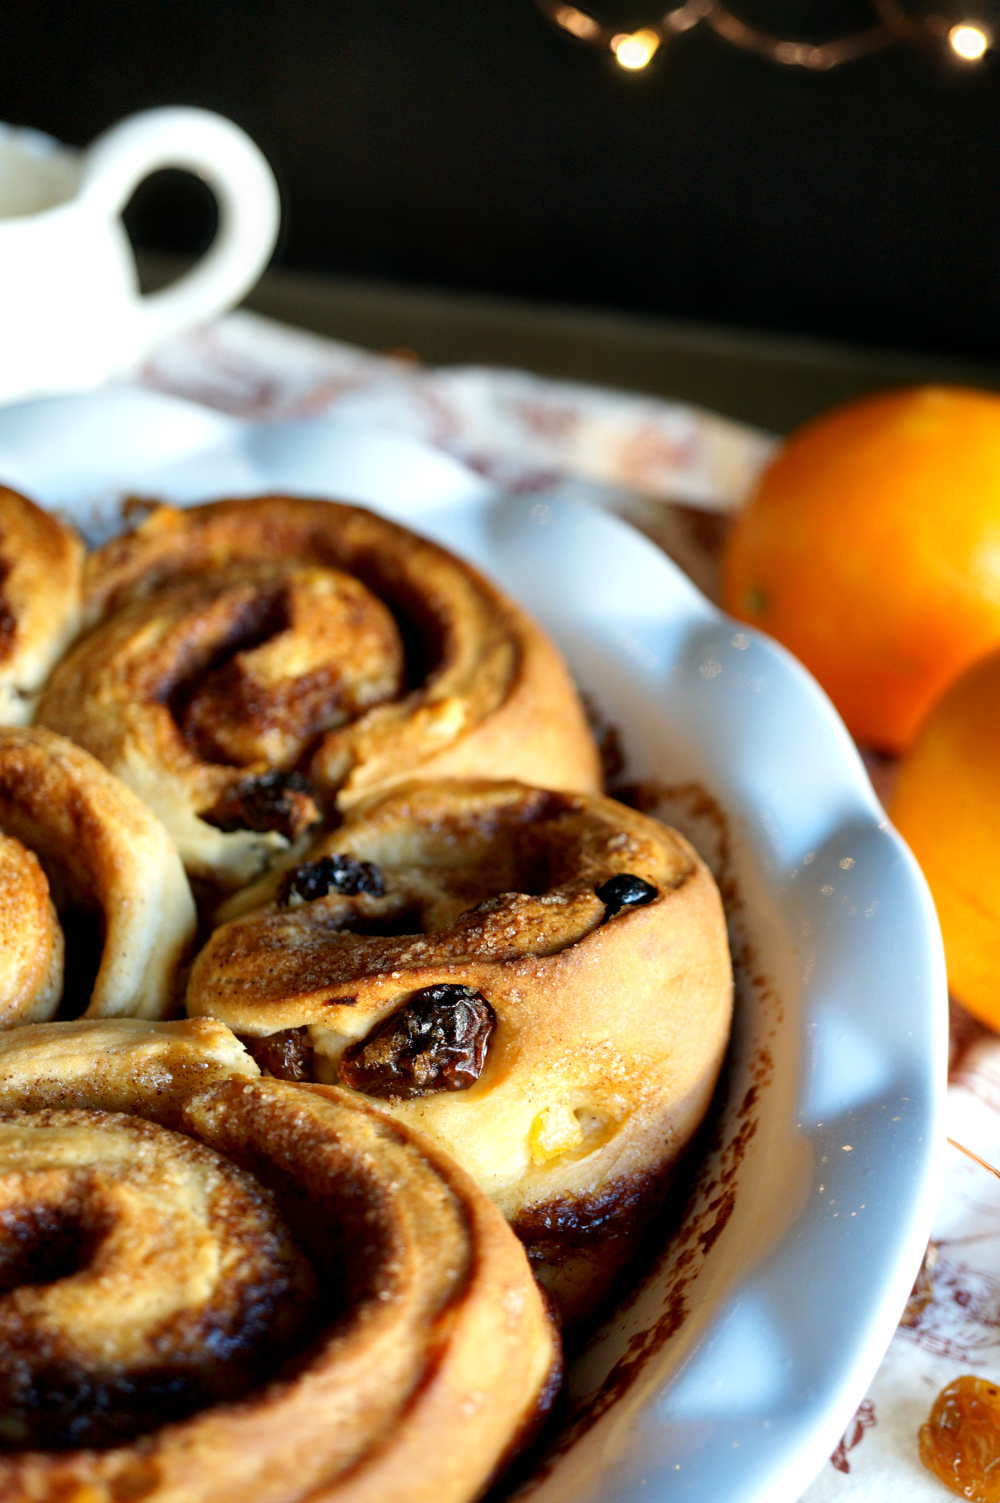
[(254, 665), (148, 1277), (539, 981), (291, 1297)]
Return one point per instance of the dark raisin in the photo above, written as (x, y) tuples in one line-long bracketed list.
[(340, 874), (287, 1055), (281, 801), (624, 891), (437, 1042)]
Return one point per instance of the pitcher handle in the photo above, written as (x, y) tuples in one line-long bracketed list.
[(244, 187)]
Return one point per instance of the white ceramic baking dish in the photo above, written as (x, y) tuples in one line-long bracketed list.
[(731, 1371)]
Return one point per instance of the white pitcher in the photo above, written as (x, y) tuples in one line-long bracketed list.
[(71, 314)]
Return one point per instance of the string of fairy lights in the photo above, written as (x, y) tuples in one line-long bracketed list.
[(967, 38)]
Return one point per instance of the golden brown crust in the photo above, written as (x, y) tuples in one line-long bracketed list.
[(102, 851), (143, 1277), (119, 1064), (488, 693), (609, 1031), (438, 1356), (41, 564), (32, 949)]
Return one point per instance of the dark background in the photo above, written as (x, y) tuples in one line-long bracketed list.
[(469, 144)]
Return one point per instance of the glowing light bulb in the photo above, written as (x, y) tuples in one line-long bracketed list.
[(634, 49), (968, 41)]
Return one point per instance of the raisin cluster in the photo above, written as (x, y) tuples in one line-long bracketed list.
[(339, 874)]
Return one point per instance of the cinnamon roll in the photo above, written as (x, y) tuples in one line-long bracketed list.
[(290, 1297), (253, 665), (539, 981), (41, 578), (81, 856)]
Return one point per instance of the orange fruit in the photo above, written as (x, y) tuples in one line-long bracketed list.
[(871, 549), (947, 807)]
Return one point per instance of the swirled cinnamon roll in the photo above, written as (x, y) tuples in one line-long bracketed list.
[(290, 1297), (539, 981), (80, 855), (253, 664), (41, 597)]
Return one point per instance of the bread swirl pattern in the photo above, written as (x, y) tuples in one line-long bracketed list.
[(77, 840), (252, 664), (431, 1350), (540, 981), (145, 1277)]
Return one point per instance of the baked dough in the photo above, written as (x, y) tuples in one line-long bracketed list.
[(430, 1353), (144, 1277), (253, 664), (122, 1064), (539, 981), (41, 576), (76, 839)]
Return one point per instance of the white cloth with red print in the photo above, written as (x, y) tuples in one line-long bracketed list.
[(527, 433), (520, 430), (952, 1324)]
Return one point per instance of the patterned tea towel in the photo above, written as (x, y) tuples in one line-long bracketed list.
[(952, 1322), (676, 471), (519, 430)]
